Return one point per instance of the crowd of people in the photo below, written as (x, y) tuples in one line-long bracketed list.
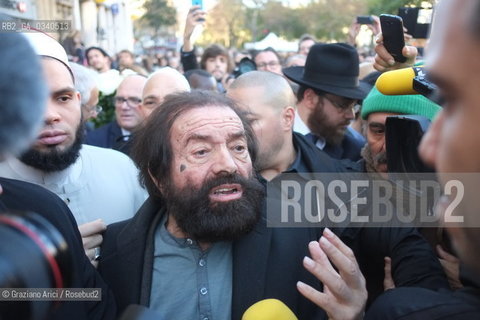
[(166, 206)]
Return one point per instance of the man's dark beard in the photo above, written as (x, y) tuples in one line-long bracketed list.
[(372, 162), (321, 126), (221, 221), (53, 160)]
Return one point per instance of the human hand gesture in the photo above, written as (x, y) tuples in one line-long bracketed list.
[(195, 17), (344, 291)]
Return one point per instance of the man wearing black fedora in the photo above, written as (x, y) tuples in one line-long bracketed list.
[(329, 91)]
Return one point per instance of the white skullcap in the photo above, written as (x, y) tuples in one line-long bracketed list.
[(44, 45)]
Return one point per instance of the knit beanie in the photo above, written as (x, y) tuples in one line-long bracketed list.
[(415, 104)]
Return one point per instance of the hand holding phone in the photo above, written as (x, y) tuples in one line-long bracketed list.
[(393, 37)]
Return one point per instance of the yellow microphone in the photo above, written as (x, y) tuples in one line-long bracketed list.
[(399, 82), (269, 309)]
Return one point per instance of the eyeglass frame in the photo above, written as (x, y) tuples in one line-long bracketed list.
[(269, 64), (118, 101), (351, 107)]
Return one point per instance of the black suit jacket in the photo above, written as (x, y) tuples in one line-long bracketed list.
[(108, 136), (23, 196), (350, 148)]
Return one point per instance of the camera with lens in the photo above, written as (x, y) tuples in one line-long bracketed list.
[(403, 134), (33, 254)]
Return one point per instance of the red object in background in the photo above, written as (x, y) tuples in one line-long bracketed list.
[(21, 6)]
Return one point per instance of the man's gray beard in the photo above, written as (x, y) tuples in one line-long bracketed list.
[(371, 162)]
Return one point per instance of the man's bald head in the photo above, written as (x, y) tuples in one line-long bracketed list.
[(160, 84), (269, 104), (277, 93)]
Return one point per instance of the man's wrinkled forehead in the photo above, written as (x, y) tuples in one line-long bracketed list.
[(198, 118), (211, 119)]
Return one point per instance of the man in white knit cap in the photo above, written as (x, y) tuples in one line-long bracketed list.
[(99, 185)]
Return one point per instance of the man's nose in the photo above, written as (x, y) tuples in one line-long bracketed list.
[(349, 114), (51, 114), (224, 162)]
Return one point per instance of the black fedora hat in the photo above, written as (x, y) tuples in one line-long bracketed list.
[(330, 67)]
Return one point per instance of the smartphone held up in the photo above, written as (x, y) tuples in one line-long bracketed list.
[(198, 3), (364, 20), (393, 37)]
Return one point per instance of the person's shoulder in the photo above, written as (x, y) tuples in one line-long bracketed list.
[(99, 153), (13, 189), (108, 161), (24, 196), (103, 128)]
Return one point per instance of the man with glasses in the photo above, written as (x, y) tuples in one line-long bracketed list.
[(128, 116), (268, 60), (329, 91)]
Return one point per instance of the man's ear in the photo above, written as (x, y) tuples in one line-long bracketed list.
[(288, 118), (155, 181), (311, 99)]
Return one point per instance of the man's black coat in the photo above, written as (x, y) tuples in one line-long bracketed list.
[(267, 262), (23, 196)]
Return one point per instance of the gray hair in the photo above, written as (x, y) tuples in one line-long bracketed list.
[(85, 81)]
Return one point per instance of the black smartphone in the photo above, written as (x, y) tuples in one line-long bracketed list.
[(393, 38), (364, 20)]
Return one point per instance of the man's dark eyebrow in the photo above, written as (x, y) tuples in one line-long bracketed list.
[(236, 135), (201, 137), (196, 136), (67, 90), (151, 96), (376, 125)]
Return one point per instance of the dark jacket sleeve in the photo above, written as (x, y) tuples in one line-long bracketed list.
[(414, 263), (23, 196), (188, 60)]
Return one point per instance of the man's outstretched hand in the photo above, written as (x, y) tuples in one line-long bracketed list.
[(344, 292)]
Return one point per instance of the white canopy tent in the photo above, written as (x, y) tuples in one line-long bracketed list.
[(272, 40)]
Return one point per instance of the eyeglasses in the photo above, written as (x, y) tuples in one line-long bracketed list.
[(348, 105), (269, 64), (132, 102)]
